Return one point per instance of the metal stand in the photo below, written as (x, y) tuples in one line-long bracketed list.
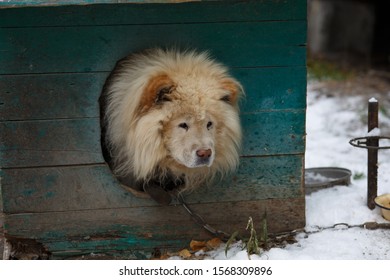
[(371, 143)]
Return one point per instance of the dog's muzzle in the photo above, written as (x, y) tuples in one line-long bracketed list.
[(204, 157)]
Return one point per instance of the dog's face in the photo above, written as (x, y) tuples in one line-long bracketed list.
[(190, 139), (194, 115)]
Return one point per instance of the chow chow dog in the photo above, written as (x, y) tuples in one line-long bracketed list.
[(170, 120)]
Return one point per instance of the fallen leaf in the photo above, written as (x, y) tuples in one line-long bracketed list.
[(185, 254), (213, 243), (197, 245)]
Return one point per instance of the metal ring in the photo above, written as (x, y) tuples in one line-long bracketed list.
[(363, 144)]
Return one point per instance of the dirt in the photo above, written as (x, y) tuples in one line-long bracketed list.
[(371, 83)]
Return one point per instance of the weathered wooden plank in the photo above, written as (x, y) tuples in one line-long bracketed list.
[(59, 96), (50, 96), (272, 88), (49, 3), (77, 141), (52, 49), (42, 143), (2, 238), (146, 228), (207, 11), (273, 133), (94, 187)]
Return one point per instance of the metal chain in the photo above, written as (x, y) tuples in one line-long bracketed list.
[(225, 236), (344, 226), (200, 221)]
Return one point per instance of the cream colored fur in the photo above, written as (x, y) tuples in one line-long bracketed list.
[(148, 138)]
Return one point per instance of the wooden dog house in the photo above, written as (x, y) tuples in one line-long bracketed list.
[(56, 189)]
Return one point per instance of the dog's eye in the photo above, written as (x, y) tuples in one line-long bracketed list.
[(209, 125), (184, 125), (226, 99)]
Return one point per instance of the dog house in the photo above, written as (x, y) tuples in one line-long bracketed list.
[(56, 189)]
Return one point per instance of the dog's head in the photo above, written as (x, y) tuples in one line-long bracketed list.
[(190, 139), (198, 118), (172, 112)]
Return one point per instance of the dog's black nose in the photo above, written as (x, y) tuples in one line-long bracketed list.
[(203, 153)]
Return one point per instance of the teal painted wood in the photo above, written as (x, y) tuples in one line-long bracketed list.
[(43, 143), (77, 141), (50, 96), (251, 44), (94, 187), (279, 88), (59, 96), (55, 186), (45, 3), (274, 133), (207, 11), (145, 228)]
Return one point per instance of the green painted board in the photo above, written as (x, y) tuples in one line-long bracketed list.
[(274, 133), (42, 143), (125, 230), (50, 96), (272, 88), (55, 187), (53, 49), (77, 141), (59, 96), (69, 188), (208, 11)]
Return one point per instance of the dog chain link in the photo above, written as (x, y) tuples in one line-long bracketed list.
[(343, 226), (225, 236), (200, 221)]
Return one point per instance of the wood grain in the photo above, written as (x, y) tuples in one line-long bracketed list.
[(71, 188), (127, 230), (77, 141), (158, 13), (52, 49), (75, 95)]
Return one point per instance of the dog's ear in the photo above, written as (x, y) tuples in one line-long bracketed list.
[(233, 90), (156, 91)]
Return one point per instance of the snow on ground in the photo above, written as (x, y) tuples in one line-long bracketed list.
[(331, 122)]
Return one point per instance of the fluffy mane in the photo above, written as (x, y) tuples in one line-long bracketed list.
[(144, 95)]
